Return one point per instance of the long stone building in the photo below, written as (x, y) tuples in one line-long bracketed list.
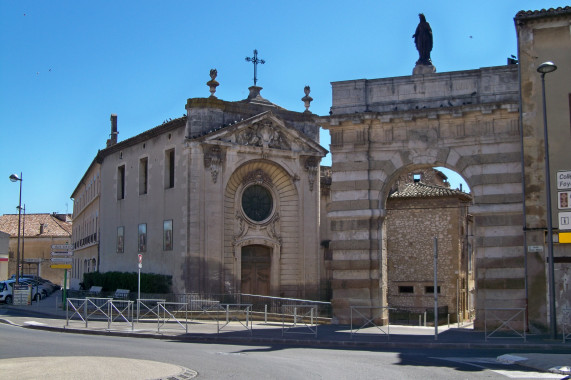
[(545, 36)]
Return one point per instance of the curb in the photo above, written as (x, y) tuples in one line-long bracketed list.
[(214, 338)]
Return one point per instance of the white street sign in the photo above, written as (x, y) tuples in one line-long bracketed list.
[(564, 180), (61, 260), (535, 248), (62, 247), (68, 253), (565, 220)]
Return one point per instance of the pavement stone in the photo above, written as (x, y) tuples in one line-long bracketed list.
[(541, 353)]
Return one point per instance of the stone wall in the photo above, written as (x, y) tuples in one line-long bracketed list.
[(412, 225)]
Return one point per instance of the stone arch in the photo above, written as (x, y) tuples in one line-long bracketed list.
[(279, 231), (465, 121)]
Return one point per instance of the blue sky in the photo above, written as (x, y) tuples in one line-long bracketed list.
[(65, 66)]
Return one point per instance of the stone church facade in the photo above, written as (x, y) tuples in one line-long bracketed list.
[(225, 200)]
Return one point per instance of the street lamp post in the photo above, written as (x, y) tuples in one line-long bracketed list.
[(15, 178), (545, 68)]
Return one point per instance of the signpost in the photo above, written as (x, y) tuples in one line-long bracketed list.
[(139, 283), (564, 199), (21, 294), (435, 288), (62, 257)]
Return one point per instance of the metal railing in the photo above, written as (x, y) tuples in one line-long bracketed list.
[(368, 319), (566, 325), (170, 312), (505, 323), (263, 307), (100, 309), (177, 309), (148, 308), (417, 316), (301, 315), (241, 313)]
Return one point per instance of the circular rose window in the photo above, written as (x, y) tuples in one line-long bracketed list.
[(257, 203)]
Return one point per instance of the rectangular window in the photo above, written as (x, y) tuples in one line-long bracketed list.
[(169, 169), (430, 289), (121, 182), (120, 239), (406, 289), (143, 175), (167, 235), (143, 237)]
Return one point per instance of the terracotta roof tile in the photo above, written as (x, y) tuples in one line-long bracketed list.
[(422, 190), (521, 15), (53, 226)]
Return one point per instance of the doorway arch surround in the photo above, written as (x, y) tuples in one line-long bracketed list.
[(279, 231), (465, 121)]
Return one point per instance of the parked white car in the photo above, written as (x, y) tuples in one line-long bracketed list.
[(6, 291)]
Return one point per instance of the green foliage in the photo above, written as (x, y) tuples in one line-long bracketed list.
[(111, 281)]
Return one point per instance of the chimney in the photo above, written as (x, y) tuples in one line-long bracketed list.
[(113, 140)]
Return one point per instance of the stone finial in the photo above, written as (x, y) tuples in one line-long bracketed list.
[(306, 99), (212, 83)]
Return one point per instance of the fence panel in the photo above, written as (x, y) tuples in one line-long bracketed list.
[(504, 323), (170, 311), (304, 315), (241, 313), (370, 318), (566, 324)]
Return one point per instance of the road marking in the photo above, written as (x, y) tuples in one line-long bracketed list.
[(487, 363), (34, 323), (528, 375)]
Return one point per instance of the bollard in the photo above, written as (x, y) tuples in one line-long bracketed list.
[(425, 319), (266, 314)]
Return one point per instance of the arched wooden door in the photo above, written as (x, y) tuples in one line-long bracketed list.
[(256, 264)]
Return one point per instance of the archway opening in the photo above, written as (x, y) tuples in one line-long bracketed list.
[(426, 214)]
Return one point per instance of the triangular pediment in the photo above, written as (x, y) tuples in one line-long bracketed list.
[(266, 131)]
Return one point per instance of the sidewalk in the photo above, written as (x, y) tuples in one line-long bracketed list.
[(541, 353)]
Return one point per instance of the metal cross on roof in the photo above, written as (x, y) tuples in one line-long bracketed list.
[(255, 60)]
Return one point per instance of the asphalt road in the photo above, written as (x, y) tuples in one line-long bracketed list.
[(216, 361)]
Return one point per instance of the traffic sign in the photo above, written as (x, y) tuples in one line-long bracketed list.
[(565, 220), (62, 247), (68, 253), (564, 180), (564, 200), (60, 266), (61, 259)]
